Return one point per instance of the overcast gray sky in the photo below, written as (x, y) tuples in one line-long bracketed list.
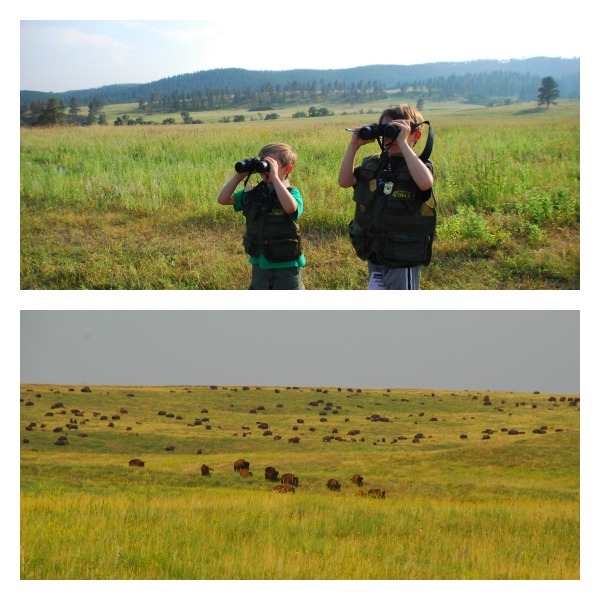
[(496, 350)]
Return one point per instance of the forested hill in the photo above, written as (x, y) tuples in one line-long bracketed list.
[(564, 71)]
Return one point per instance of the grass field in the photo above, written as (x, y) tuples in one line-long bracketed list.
[(479, 496), (135, 207)]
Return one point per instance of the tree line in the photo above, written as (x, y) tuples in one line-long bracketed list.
[(469, 88)]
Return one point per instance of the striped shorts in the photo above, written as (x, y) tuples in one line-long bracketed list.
[(385, 278)]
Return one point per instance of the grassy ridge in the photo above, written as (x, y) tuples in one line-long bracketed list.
[(135, 208), (505, 507)]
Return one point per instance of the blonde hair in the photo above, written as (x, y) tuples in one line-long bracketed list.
[(403, 111), (284, 153)]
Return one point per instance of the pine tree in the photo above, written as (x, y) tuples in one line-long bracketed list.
[(53, 114), (548, 93)]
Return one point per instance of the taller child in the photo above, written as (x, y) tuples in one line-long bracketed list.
[(394, 221)]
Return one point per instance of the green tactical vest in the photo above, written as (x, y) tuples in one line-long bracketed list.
[(269, 229), (395, 229)]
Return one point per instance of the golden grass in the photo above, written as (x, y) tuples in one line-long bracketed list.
[(503, 508)]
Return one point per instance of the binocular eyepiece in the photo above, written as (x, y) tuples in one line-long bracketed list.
[(386, 130), (252, 165)]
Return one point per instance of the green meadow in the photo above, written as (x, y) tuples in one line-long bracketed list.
[(134, 207), (489, 489)]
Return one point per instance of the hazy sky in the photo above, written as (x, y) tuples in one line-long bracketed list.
[(59, 55), (478, 350)]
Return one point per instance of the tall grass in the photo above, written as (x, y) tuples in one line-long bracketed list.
[(455, 508), (224, 535), (507, 185)]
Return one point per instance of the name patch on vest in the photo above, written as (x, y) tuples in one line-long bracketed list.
[(401, 194)]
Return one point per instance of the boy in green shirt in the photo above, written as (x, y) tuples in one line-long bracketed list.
[(271, 209)]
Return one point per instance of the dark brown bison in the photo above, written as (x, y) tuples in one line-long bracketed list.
[(284, 489), (241, 464), (289, 479), (376, 493), (136, 462), (271, 474), (294, 440), (334, 484), (205, 470), (245, 473), (357, 479)]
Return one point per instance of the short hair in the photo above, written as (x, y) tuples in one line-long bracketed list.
[(404, 112), (283, 152)]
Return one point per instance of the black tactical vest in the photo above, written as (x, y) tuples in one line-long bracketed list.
[(269, 229), (394, 229)]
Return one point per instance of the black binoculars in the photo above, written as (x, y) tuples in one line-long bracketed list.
[(386, 130), (252, 165)]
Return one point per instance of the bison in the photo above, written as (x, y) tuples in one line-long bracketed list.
[(284, 489), (205, 469), (376, 493), (357, 479), (136, 462), (241, 464), (289, 479), (333, 484), (245, 473), (271, 474)]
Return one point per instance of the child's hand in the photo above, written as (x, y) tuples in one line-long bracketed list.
[(405, 130), (358, 141), (273, 173)]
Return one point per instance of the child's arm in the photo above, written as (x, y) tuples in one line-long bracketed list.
[(287, 201), (421, 175), (225, 196), (346, 176)]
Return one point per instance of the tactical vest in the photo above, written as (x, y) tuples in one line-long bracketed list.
[(269, 229), (395, 229)]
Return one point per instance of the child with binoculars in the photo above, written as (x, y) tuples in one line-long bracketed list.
[(394, 221), (271, 208)]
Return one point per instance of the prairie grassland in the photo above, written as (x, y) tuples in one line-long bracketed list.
[(506, 507), (135, 207)]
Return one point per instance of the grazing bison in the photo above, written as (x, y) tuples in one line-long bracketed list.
[(357, 479), (334, 484), (376, 493), (271, 474), (241, 464), (136, 462), (245, 473), (289, 479), (284, 489), (205, 470)]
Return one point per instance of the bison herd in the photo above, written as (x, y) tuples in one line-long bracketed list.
[(287, 482)]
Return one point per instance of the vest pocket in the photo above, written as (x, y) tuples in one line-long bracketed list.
[(403, 249), (359, 240), (250, 246), (283, 250)]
